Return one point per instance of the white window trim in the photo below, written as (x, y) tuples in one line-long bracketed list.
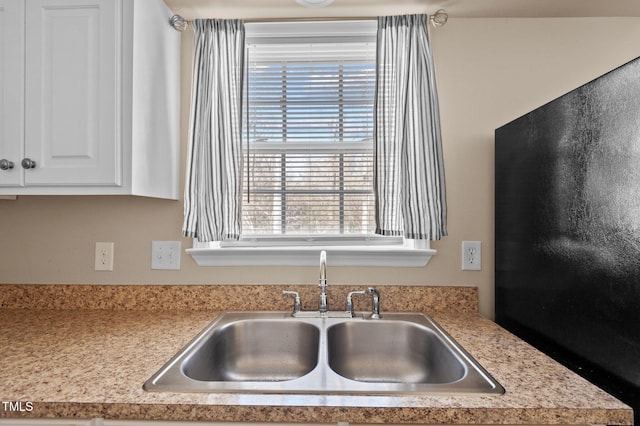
[(250, 252)]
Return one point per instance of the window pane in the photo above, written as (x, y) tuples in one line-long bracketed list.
[(308, 134), (308, 193)]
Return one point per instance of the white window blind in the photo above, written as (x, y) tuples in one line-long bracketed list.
[(308, 129)]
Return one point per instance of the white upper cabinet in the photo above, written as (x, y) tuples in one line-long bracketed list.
[(90, 98)]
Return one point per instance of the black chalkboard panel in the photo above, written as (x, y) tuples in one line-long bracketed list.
[(567, 185)]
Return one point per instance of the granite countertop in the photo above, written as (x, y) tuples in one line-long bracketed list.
[(70, 362)]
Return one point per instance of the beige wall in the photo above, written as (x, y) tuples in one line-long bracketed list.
[(489, 72)]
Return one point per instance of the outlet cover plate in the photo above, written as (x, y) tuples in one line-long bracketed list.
[(165, 255), (104, 256), (471, 255)]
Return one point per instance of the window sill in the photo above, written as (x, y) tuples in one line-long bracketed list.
[(399, 256)]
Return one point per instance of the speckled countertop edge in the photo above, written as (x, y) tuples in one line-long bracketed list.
[(92, 363)]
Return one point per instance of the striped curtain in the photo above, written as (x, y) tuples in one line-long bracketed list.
[(408, 168), (213, 186)]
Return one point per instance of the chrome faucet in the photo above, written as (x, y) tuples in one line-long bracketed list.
[(322, 283), (323, 304)]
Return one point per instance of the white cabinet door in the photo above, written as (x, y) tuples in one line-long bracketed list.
[(11, 96), (71, 93)]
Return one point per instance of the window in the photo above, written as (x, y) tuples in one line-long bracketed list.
[(308, 129), (307, 132)]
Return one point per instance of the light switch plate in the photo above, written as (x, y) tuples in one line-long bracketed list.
[(165, 255)]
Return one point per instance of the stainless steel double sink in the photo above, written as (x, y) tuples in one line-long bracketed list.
[(273, 352)]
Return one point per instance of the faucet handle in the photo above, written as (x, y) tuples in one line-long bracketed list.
[(349, 304), (375, 302), (297, 305)]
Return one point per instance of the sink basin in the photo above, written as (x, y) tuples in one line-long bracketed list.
[(255, 350), (391, 352), (273, 352)]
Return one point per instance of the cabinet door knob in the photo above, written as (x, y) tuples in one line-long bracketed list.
[(6, 164), (28, 163)]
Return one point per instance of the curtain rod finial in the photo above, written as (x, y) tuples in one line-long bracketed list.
[(439, 18), (178, 23)]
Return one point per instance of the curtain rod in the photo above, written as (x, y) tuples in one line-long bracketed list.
[(438, 19)]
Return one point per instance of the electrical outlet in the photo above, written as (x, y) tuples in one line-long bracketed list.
[(104, 257), (165, 255), (471, 256)]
